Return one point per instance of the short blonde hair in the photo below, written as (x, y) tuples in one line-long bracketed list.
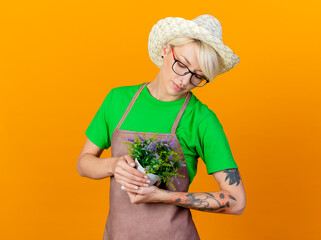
[(207, 56)]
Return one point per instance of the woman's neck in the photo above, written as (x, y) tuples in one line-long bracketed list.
[(159, 91)]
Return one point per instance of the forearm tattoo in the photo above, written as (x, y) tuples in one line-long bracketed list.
[(219, 202), (208, 202)]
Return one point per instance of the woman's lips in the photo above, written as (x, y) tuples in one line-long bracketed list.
[(177, 87)]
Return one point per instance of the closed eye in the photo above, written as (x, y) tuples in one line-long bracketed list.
[(199, 76), (181, 65)]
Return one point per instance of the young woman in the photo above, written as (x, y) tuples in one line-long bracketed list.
[(190, 54)]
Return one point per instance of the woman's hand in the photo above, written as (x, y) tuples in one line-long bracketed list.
[(127, 175), (145, 194)]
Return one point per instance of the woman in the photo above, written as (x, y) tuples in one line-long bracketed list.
[(190, 54)]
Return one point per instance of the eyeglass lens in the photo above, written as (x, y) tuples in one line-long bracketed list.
[(182, 70)]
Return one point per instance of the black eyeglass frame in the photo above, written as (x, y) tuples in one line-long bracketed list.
[(189, 71)]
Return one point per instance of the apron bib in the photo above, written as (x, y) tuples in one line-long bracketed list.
[(157, 221)]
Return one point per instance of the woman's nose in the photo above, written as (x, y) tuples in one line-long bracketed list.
[(184, 80)]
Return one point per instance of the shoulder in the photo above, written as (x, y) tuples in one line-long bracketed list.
[(119, 97), (124, 90), (205, 115)]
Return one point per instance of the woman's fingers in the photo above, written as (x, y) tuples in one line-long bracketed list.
[(128, 174), (131, 175), (129, 160), (133, 171), (130, 183), (126, 164)]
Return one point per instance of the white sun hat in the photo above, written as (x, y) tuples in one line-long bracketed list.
[(204, 27)]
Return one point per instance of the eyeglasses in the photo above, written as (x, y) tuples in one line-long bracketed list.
[(181, 69)]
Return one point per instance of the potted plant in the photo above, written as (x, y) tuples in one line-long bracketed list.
[(157, 158)]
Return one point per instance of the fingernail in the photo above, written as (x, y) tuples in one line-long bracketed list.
[(145, 176), (136, 187), (148, 181), (133, 164), (122, 187), (146, 185)]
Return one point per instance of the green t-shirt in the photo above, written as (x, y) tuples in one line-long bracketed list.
[(199, 131)]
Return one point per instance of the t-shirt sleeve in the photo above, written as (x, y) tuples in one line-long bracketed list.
[(214, 148), (99, 128)]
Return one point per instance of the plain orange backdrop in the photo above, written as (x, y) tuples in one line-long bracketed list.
[(58, 61)]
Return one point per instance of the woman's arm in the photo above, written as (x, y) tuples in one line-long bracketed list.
[(90, 164), (229, 200)]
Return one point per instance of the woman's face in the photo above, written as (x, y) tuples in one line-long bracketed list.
[(179, 85)]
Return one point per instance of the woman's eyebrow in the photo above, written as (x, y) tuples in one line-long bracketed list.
[(187, 60), (190, 63)]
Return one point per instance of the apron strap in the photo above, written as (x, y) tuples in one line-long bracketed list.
[(181, 113), (131, 104)]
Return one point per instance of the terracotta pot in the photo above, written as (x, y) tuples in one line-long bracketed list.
[(152, 177)]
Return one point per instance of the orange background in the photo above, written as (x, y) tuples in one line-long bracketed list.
[(58, 61)]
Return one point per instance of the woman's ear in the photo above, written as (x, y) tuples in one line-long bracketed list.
[(164, 50)]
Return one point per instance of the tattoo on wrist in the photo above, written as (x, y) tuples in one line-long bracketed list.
[(204, 201), (201, 201)]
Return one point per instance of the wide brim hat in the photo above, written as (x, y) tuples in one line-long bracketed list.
[(204, 27)]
